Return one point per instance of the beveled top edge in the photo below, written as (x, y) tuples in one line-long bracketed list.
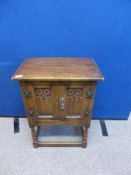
[(19, 77)]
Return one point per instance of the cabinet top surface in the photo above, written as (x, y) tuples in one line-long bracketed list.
[(58, 69)]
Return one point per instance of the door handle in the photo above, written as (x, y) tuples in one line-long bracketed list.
[(62, 103)]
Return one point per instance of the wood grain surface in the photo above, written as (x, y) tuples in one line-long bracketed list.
[(53, 69)]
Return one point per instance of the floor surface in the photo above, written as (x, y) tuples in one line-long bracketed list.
[(104, 155)]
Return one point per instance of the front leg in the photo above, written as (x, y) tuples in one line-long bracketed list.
[(84, 136), (34, 136)]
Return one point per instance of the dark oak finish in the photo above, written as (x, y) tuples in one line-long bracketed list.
[(58, 91)]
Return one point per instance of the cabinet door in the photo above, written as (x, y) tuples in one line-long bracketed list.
[(40, 99), (76, 100)]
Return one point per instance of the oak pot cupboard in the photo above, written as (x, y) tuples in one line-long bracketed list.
[(58, 91)]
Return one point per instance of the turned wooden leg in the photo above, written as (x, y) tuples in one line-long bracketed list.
[(84, 136), (34, 137)]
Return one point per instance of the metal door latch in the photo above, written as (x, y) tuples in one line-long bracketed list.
[(62, 103)]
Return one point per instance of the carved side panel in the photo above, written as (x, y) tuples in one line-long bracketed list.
[(44, 101), (74, 101)]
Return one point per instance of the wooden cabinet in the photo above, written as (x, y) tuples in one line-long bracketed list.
[(58, 91)]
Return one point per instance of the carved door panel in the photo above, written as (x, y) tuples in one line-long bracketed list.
[(42, 101), (46, 97), (76, 100)]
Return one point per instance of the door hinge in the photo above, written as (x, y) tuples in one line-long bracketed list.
[(90, 93), (87, 113), (27, 93), (31, 112)]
